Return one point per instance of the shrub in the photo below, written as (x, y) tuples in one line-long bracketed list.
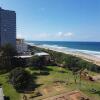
[(20, 79)]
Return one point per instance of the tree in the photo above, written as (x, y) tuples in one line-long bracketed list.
[(38, 61), (72, 64), (8, 50), (7, 54), (20, 79)]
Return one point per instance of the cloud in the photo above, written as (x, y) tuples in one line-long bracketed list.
[(54, 36), (61, 34), (47, 36), (41, 36)]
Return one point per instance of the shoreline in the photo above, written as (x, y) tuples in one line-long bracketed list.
[(88, 57)]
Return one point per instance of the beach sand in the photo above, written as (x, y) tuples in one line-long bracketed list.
[(88, 57)]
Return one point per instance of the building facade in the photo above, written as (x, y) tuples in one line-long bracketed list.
[(1, 94), (21, 46), (7, 27)]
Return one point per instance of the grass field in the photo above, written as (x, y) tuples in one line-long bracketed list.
[(47, 87), (65, 75), (8, 89)]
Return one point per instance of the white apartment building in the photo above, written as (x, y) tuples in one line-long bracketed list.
[(21, 46)]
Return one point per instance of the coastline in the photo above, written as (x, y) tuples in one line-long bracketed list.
[(88, 57)]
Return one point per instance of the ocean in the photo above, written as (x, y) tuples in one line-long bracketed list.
[(91, 48)]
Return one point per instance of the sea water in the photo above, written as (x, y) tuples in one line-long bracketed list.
[(91, 48)]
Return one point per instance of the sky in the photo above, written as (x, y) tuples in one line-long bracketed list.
[(56, 20)]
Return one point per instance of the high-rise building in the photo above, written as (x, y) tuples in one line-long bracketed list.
[(7, 27)]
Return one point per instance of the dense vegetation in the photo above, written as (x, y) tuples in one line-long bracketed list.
[(7, 54), (21, 79), (9, 60), (69, 61)]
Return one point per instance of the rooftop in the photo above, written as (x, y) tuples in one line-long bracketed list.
[(25, 56), (41, 54)]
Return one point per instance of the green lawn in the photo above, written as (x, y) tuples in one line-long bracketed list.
[(67, 76), (8, 89), (47, 81)]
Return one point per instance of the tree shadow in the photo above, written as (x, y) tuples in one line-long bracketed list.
[(97, 92), (41, 68), (62, 71), (94, 91), (32, 86), (6, 98), (41, 71)]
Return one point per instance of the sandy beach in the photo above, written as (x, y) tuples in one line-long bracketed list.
[(85, 56)]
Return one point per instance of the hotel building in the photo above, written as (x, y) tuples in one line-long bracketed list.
[(7, 27)]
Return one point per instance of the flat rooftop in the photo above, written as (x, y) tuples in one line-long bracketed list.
[(36, 54), (25, 56), (41, 54)]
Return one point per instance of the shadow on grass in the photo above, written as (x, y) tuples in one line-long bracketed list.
[(97, 92), (6, 98), (41, 71), (62, 71), (41, 68), (94, 91), (31, 87)]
